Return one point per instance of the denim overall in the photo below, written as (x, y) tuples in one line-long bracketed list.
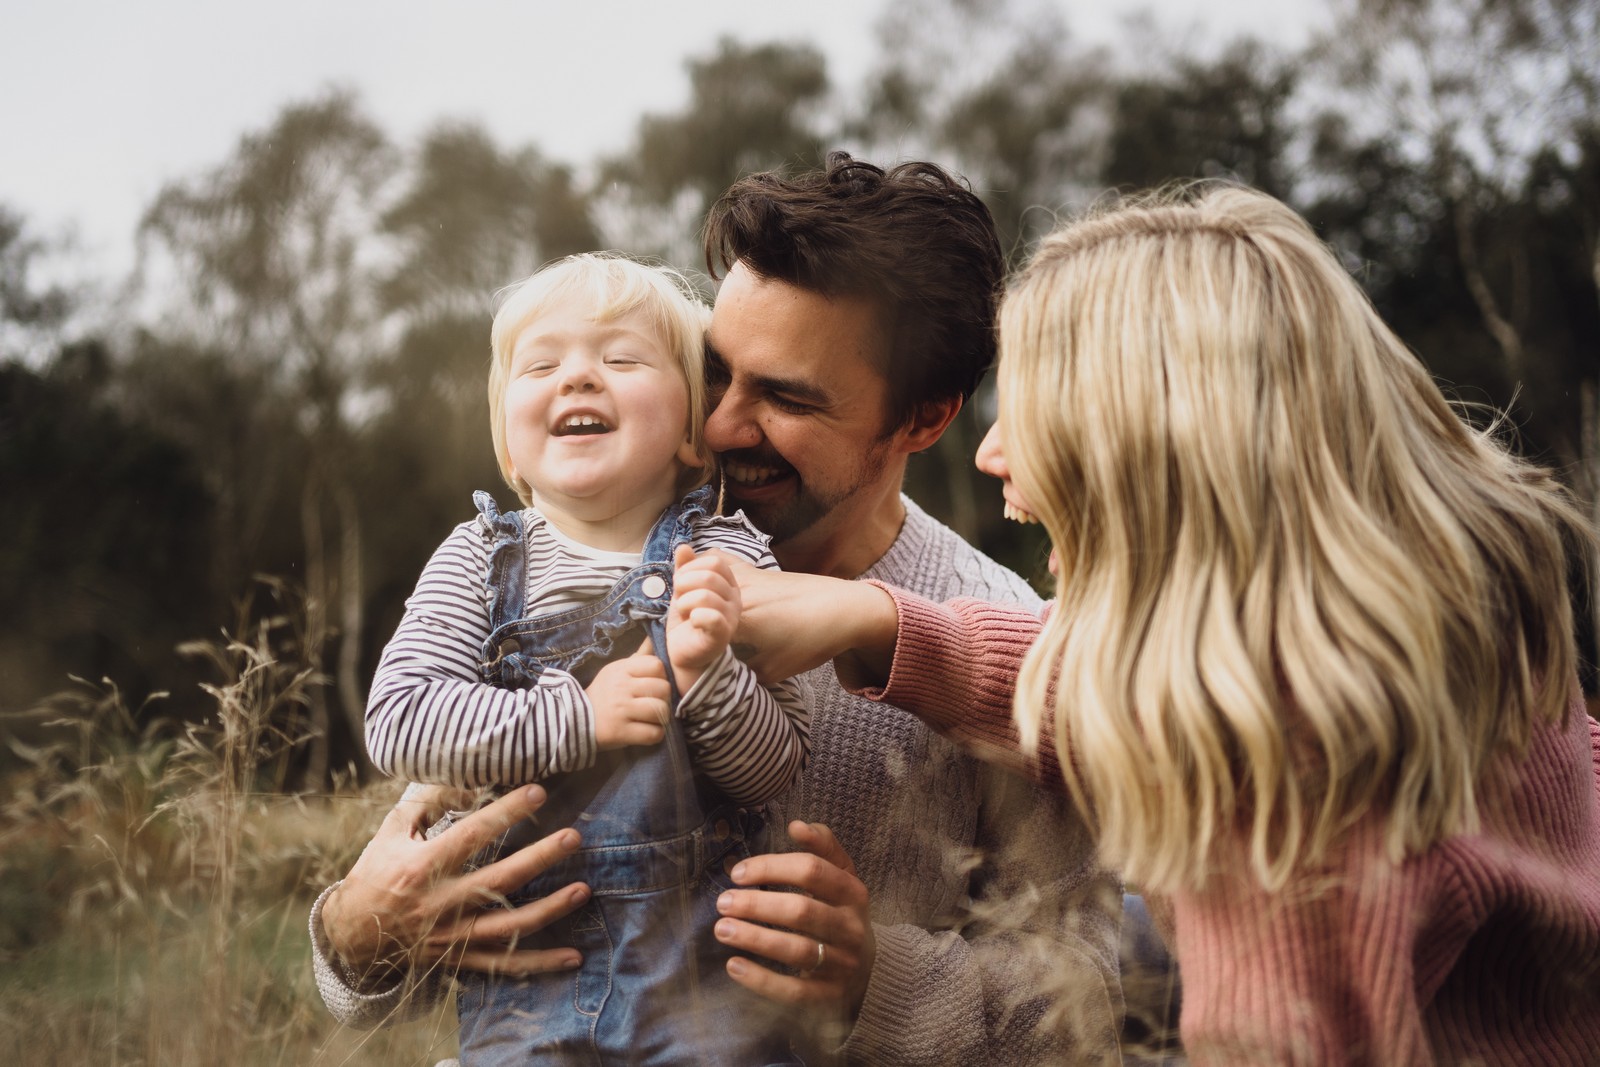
[(658, 840)]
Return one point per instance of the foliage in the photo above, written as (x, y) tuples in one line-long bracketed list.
[(299, 391), (26, 311), (155, 878), (90, 584)]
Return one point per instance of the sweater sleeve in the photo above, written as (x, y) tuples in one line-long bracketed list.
[(429, 716), (410, 996), (955, 667), (752, 740)]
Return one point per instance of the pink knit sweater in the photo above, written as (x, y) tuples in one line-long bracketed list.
[(1484, 949)]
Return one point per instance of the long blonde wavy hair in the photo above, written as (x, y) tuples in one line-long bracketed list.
[(1295, 587)]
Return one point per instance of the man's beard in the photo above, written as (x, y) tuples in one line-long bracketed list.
[(784, 520)]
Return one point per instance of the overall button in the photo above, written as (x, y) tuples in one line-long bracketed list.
[(653, 586), (721, 830)]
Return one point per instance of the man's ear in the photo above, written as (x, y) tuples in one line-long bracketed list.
[(928, 423)]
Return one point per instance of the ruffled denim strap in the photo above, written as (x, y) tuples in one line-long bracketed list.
[(506, 575)]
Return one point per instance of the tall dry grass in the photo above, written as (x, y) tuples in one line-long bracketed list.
[(155, 878)]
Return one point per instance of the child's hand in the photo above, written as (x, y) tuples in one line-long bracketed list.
[(703, 615), (632, 700)]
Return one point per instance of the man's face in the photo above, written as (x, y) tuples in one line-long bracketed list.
[(800, 406)]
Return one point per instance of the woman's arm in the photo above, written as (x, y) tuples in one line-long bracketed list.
[(953, 665)]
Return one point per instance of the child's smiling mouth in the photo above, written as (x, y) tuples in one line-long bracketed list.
[(580, 425)]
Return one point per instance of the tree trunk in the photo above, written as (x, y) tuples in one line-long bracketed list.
[(316, 599), (1589, 398), (1589, 408), (1500, 328), (352, 619)]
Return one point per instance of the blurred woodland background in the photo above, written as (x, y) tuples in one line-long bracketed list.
[(219, 477)]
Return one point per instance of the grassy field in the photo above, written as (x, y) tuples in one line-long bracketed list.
[(155, 882)]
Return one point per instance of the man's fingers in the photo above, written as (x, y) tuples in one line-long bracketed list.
[(818, 840), (471, 834), (792, 949), (518, 868), (503, 927), (517, 962), (808, 873), (780, 987), (795, 912), (419, 808)]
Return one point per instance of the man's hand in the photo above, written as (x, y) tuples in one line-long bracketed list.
[(703, 614), (830, 910), (632, 700), (406, 905)]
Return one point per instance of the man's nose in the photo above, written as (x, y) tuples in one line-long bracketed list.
[(732, 424)]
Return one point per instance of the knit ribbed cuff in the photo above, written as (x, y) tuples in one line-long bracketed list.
[(896, 994), (339, 985)]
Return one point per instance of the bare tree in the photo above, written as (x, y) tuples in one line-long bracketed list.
[(273, 255)]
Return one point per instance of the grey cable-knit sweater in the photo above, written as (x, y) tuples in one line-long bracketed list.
[(996, 931)]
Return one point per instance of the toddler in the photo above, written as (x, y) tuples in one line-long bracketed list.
[(560, 644)]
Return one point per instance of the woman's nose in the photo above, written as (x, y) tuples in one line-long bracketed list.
[(991, 458)]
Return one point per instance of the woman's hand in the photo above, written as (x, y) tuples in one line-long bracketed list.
[(406, 904), (792, 622)]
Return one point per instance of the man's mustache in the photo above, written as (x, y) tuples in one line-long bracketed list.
[(754, 457)]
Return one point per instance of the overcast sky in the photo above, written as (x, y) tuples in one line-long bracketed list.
[(102, 101)]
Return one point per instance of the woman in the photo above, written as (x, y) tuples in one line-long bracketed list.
[(1309, 671)]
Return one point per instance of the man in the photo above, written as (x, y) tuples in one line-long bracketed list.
[(943, 908)]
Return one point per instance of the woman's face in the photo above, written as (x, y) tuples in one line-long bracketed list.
[(991, 460)]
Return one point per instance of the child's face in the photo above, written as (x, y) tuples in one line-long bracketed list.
[(597, 414)]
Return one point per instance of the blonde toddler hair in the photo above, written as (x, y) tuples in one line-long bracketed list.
[(610, 285), (1295, 587)]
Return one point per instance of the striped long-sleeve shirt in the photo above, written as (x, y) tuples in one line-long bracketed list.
[(431, 719)]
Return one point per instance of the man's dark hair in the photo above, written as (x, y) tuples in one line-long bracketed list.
[(916, 240)]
